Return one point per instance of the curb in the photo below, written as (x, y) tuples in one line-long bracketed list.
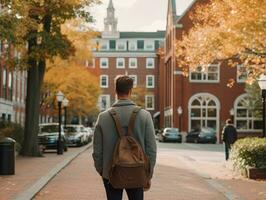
[(39, 184)]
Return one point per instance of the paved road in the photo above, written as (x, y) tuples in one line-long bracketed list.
[(183, 171)]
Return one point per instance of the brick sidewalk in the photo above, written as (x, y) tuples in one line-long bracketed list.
[(80, 181), (30, 170)]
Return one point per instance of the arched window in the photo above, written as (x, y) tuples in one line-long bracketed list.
[(204, 111), (245, 120)]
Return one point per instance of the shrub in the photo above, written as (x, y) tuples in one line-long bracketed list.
[(12, 130), (249, 152)]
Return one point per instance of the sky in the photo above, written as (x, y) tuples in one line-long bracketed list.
[(137, 15)]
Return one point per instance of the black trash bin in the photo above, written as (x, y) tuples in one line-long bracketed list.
[(7, 156)]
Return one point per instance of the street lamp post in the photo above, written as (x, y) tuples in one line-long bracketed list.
[(65, 104), (179, 111), (59, 97), (262, 84), (232, 113)]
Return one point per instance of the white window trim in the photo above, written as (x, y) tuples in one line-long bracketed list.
[(243, 118), (136, 61), (153, 81), (136, 80), (206, 81), (148, 43), (107, 63), (216, 100), (147, 61), (121, 43), (117, 61), (108, 101), (146, 102), (237, 74), (135, 45), (107, 81)]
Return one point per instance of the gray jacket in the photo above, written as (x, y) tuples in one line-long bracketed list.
[(105, 135)]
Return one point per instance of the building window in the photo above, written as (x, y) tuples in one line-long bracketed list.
[(241, 74), (135, 79), (245, 119), (121, 46), (150, 63), (104, 46), (104, 81), (149, 45), (104, 102), (4, 81), (10, 84), (104, 63), (120, 63), (112, 44), (133, 62), (90, 63), (140, 44), (203, 111), (150, 83), (149, 102), (132, 46), (210, 73)]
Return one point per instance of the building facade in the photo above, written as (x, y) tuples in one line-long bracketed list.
[(130, 53), (12, 90), (202, 99)]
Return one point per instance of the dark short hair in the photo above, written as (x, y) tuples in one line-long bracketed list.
[(229, 121), (123, 85)]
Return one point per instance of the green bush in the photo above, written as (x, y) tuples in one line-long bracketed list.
[(249, 152), (12, 130)]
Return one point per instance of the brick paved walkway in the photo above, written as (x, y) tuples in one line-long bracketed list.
[(29, 170), (80, 181)]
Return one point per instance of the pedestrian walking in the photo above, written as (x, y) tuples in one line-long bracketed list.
[(229, 136), (124, 146)]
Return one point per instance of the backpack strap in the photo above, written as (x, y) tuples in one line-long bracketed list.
[(132, 120), (118, 125)]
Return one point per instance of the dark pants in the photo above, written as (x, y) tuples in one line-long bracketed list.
[(227, 150), (116, 194)]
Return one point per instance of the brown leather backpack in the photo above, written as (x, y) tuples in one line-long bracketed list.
[(130, 165)]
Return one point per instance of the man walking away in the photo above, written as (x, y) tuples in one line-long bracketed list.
[(106, 137), (229, 136)]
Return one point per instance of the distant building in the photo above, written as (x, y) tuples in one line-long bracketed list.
[(203, 99), (12, 90), (131, 53)]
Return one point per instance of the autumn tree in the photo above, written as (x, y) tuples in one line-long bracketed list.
[(226, 29), (36, 25), (79, 86), (138, 95)]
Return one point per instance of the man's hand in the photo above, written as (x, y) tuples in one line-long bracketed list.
[(148, 186)]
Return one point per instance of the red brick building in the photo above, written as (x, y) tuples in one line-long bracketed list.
[(12, 90), (131, 53), (202, 99)]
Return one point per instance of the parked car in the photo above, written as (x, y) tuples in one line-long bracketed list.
[(76, 135), (203, 135), (48, 136), (89, 131), (170, 134)]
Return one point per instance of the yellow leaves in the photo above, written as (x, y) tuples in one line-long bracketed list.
[(225, 29)]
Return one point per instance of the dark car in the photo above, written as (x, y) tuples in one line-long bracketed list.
[(170, 134), (203, 135), (48, 136)]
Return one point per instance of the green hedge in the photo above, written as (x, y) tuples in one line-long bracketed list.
[(249, 152), (12, 130)]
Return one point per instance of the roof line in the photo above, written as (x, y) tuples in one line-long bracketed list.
[(188, 8)]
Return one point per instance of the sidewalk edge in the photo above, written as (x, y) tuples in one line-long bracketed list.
[(39, 184)]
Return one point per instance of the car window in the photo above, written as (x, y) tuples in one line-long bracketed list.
[(71, 129), (49, 129)]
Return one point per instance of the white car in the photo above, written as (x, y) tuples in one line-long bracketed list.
[(76, 135)]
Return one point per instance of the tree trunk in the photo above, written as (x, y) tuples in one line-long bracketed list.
[(36, 73), (34, 83)]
